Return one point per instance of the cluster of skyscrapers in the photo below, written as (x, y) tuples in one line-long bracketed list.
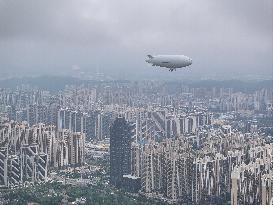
[(220, 167), (27, 152), (208, 166), (186, 156), (187, 144)]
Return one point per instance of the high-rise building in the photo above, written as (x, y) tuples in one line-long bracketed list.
[(34, 164), (14, 170), (70, 149), (120, 150), (32, 115), (3, 165)]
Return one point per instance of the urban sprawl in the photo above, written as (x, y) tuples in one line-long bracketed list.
[(168, 141)]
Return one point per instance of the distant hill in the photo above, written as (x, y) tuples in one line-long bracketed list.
[(52, 83), (56, 83), (237, 85)]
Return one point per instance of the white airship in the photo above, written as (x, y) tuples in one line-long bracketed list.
[(169, 61)]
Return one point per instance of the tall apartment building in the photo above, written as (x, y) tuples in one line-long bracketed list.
[(69, 149), (120, 150), (33, 163), (4, 166)]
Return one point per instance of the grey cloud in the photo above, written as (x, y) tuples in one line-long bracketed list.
[(40, 36), (55, 21)]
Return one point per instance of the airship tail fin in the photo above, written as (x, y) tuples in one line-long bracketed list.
[(150, 56)]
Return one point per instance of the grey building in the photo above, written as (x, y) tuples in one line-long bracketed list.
[(120, 150)]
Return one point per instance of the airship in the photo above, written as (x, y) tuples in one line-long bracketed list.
[(172, 62)]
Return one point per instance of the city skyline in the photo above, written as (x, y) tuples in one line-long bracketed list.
[(152, 141), (148, 102)]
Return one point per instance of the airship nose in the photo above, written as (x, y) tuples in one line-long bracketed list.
[(190, 60)]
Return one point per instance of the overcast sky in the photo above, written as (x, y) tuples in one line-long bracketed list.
[(223, 37)]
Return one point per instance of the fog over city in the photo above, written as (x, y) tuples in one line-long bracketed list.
[(64, 37)]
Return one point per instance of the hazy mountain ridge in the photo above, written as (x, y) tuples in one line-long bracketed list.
[(55, 83)]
